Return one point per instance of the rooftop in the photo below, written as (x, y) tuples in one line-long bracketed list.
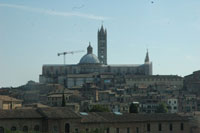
[(92, 117), (8, 98)]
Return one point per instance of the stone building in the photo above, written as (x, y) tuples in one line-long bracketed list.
[(172, 105), (7, 102), (188, 103), (90, 65), (63, 120), (192, 82), (152, 80)]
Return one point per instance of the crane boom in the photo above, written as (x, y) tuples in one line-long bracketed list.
[(69, 52)]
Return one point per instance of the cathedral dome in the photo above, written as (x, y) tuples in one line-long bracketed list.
[(89, 58)]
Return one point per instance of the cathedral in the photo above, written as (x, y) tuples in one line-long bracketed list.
[(90, 66)]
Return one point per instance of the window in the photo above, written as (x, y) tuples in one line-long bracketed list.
[(67, 128), (25, 129), (117, 130), (182, 126), (74, 71), (65, 71), (159, 127), (107, 130), (148, 127), (128, 130), (1, 130), (170, 127), (137, 129)]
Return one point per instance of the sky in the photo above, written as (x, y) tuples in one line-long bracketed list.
[(32, 32)]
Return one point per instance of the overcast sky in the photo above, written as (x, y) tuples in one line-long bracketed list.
[(32, 32)]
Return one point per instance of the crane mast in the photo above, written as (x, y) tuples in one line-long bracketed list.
[(68, 52)]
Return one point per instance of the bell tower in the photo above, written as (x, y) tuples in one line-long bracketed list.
[(147, 57), (102, 45)]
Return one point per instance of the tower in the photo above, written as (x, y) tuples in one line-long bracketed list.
[(147, 65), (147, 57), (102, 45)]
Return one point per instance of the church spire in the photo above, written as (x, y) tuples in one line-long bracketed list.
[(147, 57), (102, 45), (89, 49)]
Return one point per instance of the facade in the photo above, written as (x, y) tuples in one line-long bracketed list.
[(63, 120), (90, 64), (172, 105), (152, 80), (192, 82), (113, 106), (188, 103), (7, 102), (149, 105)]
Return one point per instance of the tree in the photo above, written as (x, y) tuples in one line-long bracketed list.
[(134, 108), (99, 108), (162, 108), (63, 100)]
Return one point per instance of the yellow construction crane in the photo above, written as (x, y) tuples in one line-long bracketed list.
[(69, 52)]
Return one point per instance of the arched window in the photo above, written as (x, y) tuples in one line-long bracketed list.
[(13, 129), (25, 129), (1, 130), (67, 128), (36, 128)]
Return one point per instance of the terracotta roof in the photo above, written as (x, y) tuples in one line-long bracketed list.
[(57, 113), (19, 113), (66, 113), (127, 117), (8, 98)]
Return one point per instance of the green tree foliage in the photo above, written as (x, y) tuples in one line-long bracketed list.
[(99, 108), (134, 108), (162, 108), (63, 100)]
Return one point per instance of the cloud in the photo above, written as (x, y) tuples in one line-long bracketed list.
[(54, 13)]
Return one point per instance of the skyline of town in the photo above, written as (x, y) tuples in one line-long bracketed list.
[(90, 66), (32, 33)]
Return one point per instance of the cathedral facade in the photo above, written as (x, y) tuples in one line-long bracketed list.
[(90, 66)]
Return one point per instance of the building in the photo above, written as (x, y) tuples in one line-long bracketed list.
[(102, 45), (7, 102), (192, 82), (188, 103), (172, 105), (173, 81), (63, 120), (149, 105), (91, 65)]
